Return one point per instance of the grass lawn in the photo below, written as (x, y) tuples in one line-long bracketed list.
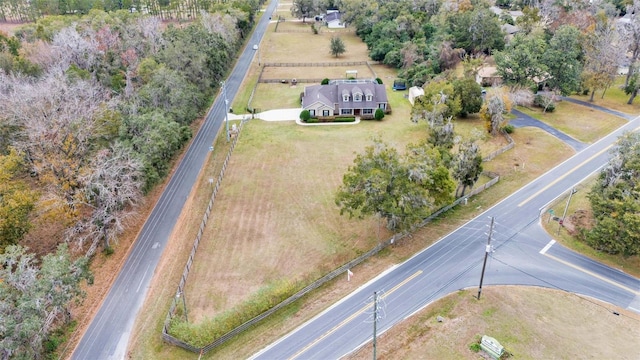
[(277, 96), (285, 47), (531, 323), (280, 220), (579, 122)]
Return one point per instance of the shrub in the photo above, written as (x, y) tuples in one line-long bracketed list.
[(379, 81), (508, 129), (305, 115), (344, 119), (207, 331), (379, 115), (325, 81), (544, 102)]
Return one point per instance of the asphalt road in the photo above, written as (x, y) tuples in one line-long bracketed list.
[(108, 334), (522, 254)]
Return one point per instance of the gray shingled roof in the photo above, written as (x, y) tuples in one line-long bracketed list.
[(332, 16), (332, 94)]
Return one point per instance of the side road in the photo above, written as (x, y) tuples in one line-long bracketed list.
[(523, 120)]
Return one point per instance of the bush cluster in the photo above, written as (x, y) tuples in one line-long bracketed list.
[(204, 333), (541, 101)]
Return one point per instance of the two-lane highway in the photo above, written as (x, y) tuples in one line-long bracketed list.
[(522, 254), (108, 334)]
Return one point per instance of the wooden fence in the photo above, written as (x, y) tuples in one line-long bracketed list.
[(185, 273), (318, 64), (316, 284), (500, 151)]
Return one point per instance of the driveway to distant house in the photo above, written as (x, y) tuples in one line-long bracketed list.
[(600, 108), (523, 120)]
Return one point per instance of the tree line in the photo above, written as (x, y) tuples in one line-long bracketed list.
[(23, 11), (93, 110), (567, 47)]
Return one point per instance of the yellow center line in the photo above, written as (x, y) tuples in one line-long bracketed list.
[(593, 274), (353, 316), (564, 176)]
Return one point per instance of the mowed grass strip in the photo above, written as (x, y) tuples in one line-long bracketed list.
[(530, 322), (580, 122)]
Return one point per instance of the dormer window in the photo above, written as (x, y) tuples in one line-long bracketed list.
[(357, 93), (368, 94), (345, 95)]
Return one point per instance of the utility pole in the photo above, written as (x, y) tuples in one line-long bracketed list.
[(486, 254), (375, 321), (561, 222), (226, 107)]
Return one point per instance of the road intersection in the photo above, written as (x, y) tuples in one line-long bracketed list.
[(522, 254)]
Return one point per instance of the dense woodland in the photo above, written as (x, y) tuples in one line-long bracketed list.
[(93, 110), (21, 10)]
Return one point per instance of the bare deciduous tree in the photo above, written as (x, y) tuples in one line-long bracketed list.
[(521, 96), (493, 111), (111, 190), (602, 50), (56, 120), (76, 48), (223, 25), (630, 34)]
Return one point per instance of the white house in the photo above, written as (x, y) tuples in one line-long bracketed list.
[(333, 19), (346, 97)]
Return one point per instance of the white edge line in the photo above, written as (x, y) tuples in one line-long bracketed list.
[(547, 247), (634, 309), (353, 293)]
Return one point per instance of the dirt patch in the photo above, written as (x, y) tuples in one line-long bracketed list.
[(9, 28), (580, 219), (531, 323)]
